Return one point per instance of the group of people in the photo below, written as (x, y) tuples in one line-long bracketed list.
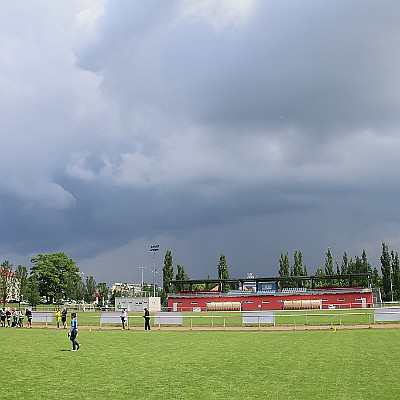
[(17, 317), (61, 317), (146, 316), (13, 318)]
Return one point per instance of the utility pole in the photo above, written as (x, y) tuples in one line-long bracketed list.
[(141, 286)]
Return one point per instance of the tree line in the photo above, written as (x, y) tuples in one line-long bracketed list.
[(53, 278), (181, 275), (388, 281)]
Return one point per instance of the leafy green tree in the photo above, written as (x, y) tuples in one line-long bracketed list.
[(7, 265), (395, 275), (337, 268), (298, 264), (209, 286), (364, 267), (298, 269), (344, 267), (386, 272), (284, 268), (33, 290), (284, 265), (181, 276), (223, 272), (168, 275), (329, 263), (103, 292), (90, 292), (320, 272), (80, 291), (114, 294), (376, 279), (6, 269), (22, 274), (54, 273)]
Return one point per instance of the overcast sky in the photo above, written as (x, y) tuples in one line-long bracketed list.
[(246, 127)]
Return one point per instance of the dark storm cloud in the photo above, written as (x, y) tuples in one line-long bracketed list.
[(246, 127), (276, 66)]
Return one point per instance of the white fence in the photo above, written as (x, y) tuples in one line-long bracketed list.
[(389, 314), (288, 318), (258, 317)]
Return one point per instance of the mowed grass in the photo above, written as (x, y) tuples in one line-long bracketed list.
[(115, 364)]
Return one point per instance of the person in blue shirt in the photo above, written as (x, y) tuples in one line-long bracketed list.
[(73, 332)]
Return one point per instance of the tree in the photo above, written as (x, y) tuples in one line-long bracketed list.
[(33, 290), (22, 275), (168, 275), (344, 267), (5, 280), (182, 276), (376, 278), (103, 292), (298, 269), (386, 272), (54, 273), (284, 268), (298, 264), (80, 291), (284, 265), (329, 263), (114, 294), (90, 292), (223, 272), (395, 275)]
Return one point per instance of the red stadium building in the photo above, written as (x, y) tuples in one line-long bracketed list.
[(268, 294)]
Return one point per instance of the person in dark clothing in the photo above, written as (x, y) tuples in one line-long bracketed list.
[(8, 317), (3, 318), (28, 314), (146, 317), (64, 313)]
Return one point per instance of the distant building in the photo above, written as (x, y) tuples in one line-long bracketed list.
[(9, 285), (127, 289), (137, 304)]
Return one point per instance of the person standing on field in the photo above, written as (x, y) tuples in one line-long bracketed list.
[(28, 314), (20, 319), (73, 332), (2, 318), (146, 317), (57, 314), (8, 317), (15, 318), (123, 318), (64, 317)]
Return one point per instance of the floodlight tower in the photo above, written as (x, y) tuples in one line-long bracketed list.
[(154, 248), (141, 286)]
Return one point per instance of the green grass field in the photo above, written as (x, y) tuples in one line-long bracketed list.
[(115, 364)]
